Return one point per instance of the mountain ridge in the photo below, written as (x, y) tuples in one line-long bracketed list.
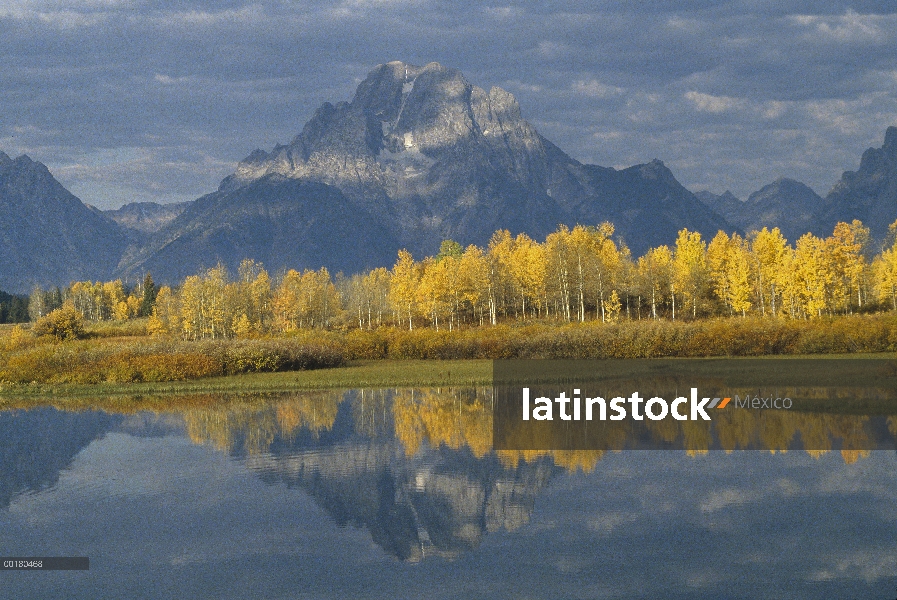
[(47, 235), (868, 194), (418, 155), (430, 156)]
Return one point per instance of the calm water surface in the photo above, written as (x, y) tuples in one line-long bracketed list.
[(398, 494)]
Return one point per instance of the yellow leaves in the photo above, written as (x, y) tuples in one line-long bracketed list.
[(690, 267), (811, 272), (729, 264), (306, 300), (241, 326), (403, 286), (473, 275), (612, 307), (155, 326), (769, 250)]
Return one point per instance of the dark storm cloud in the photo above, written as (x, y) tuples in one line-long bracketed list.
[(131, 100)]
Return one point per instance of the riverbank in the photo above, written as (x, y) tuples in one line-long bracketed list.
[(129, 361), (744, 374)]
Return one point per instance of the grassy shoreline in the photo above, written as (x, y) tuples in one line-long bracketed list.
[(355, 374), (386, 373)]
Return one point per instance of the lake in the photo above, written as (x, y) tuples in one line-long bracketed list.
[(399, 494)]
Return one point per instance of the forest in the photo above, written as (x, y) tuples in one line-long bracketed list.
[(577, 294), (575, 275)]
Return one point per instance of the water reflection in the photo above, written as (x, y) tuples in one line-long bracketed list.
[(413, 467), (414, 472), (36, 445)]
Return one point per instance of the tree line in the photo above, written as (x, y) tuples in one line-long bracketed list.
[(13, 308), (579, 274)]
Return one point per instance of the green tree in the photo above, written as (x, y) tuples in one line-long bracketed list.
[(149, 297)]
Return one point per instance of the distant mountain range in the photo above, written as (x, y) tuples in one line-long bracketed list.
[(868, 194), (419, 155)]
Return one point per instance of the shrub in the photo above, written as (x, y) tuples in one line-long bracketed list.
[(63, 323)]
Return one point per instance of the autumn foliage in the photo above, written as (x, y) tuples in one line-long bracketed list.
[(578, 294)]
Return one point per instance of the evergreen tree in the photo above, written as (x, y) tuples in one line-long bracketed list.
[(149, 297)]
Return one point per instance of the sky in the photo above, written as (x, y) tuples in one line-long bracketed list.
[(132, 100)]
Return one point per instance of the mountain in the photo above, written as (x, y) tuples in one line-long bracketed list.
[(146, 217), (868, 194), (284, 223), (419, 155), (788, 204), (47, 235), (726, 204), (785, 203)]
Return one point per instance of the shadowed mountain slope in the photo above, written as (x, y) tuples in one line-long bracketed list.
[(47, 235)]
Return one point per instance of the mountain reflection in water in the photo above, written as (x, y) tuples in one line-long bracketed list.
[(413, 467), (399, 493)]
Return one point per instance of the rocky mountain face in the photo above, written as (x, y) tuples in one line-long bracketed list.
[(48, 236), (868, 194), (419, 155), (787, 204), (146, 217)]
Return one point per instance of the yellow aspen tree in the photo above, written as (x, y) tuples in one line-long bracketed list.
[(433, 294), (885, 273), (718, 252), (655, 271), (584, 250), (133, 303), (504, 292), (627, 279), (847, 247), (355, 297), (606, 264), (121, 311), (191, 307), (768, 250), (790, 285), (501, 294), (322, 300), (690, 268), (475, 279), (884, 270), (404, 280), (241, 326), (561, 268), (214, 305), (612, 307), (260, 302), (738, 273), (527, 268), (286, 301), (167, 311), (82, 299), (113, 294), (376, 285), (813, 273)]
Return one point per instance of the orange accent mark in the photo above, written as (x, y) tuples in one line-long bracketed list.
[(724, 403)]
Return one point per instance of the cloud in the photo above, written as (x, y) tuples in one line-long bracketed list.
[(850, 27), (712, 104), (596, 89), (728, 94)]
